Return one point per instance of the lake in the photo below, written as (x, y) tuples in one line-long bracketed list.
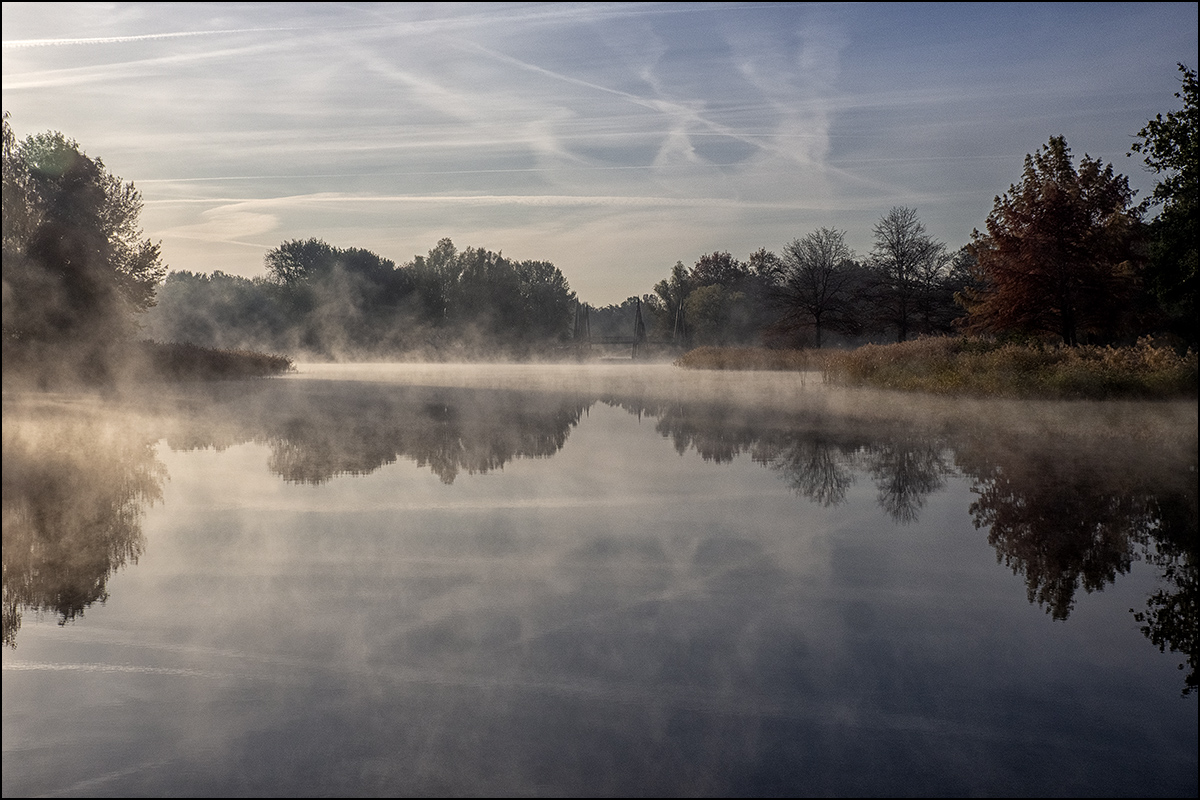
[(617, 579)]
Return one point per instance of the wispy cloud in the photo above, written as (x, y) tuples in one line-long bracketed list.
[(143, 37), (626, 201), (583, 132)]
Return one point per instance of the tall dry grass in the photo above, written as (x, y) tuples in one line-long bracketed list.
[(756, 358), (943, 365)]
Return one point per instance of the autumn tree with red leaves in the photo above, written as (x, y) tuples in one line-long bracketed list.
[(1061, 253)]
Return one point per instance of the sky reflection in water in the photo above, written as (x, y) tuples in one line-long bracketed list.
[(444, 584)]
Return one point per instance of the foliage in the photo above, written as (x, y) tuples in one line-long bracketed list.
[(76, 267), (986, 367), (720, 300), (221, 310), (946, 365), (1172, 145), (329, 302), (1061, 252), (720, 269), (1171, 148), (672, 293)]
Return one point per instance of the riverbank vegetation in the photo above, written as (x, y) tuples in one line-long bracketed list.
[(982, 367), (188, 362), (55, 367), (329, 303), (78, 273)]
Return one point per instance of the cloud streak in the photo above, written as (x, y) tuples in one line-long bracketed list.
[(615, 139)]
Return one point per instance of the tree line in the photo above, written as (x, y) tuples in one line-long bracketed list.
[(326, 301), (1065, 254), (817, 288)]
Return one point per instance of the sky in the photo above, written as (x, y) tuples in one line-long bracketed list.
[(611, 139)]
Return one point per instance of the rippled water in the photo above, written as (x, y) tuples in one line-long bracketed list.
[(595, 580)]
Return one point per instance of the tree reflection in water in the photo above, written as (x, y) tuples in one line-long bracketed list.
[(1063, 517), (1068, 519), (1058, 522), (1170, 618), (817, 467), (75, 489), (314, 437)]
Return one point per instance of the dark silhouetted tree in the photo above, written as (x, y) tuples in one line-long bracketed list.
[(907, 264), (1060, 255), (719, 268), (816, 282), (299, 262), (76, 267), (672, 293), (1171, 147), (341, 301)]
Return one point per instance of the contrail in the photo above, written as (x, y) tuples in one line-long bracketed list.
[(137, 38)]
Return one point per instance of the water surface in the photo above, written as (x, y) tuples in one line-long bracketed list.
[(451, 580)]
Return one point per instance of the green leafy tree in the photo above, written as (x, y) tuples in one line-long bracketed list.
[(221, 310), (726, 312), (672, 294), (547, 302), (1061, 252), (1171, 148), (484, 299), (716, 314), (341, 301), (76, 266)]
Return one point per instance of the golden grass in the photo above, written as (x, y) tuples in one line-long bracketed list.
[(943, 365), (756, 358)]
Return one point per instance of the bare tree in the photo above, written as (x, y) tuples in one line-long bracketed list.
[(815, 282), (907, 262)]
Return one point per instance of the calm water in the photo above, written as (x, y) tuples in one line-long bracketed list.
[(595, 581)]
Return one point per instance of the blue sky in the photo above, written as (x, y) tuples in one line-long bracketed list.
[(611, 139)]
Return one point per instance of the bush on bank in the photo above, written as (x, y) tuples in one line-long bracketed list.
[(180, 362), (40, 365)]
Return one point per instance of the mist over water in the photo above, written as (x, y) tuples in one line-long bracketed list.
[(595, 579)]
